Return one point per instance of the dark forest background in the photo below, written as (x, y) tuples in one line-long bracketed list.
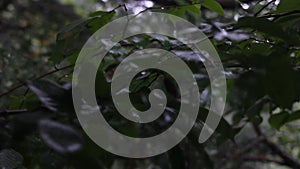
[(258, 42)]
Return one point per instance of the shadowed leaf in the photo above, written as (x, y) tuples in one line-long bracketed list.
[(60, 137), (10, 159), (52, 95)]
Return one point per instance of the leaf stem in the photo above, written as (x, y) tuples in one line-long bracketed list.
[(264, 7)]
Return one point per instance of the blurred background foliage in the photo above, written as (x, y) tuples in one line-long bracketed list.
[(258, 42)]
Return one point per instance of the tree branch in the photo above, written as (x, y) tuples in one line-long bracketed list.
[(250, 146), (262, 159), (40, 77), (288, 160), (12, 112)]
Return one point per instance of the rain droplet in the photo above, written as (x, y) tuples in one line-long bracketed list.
[(245, 6)]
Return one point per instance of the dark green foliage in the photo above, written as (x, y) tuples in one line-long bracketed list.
[(60, 137), (260, 52)]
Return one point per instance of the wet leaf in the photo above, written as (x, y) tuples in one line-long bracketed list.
[(280, 119), (96, 23), (60, 137), (10, 159), (267, 27), (224, 128), (287, 6), (214, 6), (53, 96)]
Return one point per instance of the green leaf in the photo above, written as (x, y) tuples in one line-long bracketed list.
[(267, 27), (72, 29), (288, 6), (177, 11), (70, 40), (281, 81), (294, 116), (73, 57), (262, 25), (195, 1), (224, 128), (60, 51), (214, 6), (193, 9), (68, 46), (60, 137), (53, 96), (28, 101), (248, 89), (253, 113), (280, 119), (277, 120), (98, 13), (142, 82), (182, 11), (96, 23), (288, 20), (282, 90), (102, 87)]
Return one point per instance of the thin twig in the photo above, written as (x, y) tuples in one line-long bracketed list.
[(264, 7), (166, 7), (288, 160), (276, 16), (250, 146), (39, 77), (263, 159), (12, 112)]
